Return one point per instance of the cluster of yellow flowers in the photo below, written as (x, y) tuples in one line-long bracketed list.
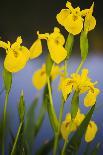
[(66, 129), (74, 21), (81, 83)]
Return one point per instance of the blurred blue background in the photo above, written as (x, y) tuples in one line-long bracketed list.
[(25, 18)]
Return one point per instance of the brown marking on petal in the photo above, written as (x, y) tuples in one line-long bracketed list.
[(16, 54), (75, 17), (42, 73), (90, 124), (66, 125), (69, 82)]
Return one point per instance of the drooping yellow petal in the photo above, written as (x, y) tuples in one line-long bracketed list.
[(91, 131), (39, 79), (90, 98), (36, 49), (66, 128), (73, 24), (57, 51), (66, 87), (16, 60)]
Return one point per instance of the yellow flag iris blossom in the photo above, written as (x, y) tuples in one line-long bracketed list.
[(65, 127), (73, 19), (40, 78), (81, 83), (16, 55), (55, 42)]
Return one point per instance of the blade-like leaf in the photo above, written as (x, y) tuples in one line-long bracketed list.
[(69, 44), (21, 107), (74, 104), (75, 141), (49, 64), (7, 78), (42, 112), (29, 129), (84, 45), (51, 112)]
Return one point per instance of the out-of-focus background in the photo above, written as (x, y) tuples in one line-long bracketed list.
[(24, 18)]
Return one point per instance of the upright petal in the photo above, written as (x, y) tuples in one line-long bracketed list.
[(66, 87), (36, 49)]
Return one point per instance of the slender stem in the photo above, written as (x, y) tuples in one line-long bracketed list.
[(64, 147), (51, 109), (4, 122), (59, 126), (50, 92), (16, 139), (65, 68), (80, 66)]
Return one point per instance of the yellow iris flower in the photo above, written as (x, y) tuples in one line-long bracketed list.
[(83, 84), (73, 19), (55, 42), (16, 55), (65, 127), (39, 79)]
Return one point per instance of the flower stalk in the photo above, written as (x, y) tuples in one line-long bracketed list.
[(16, 139), (4, 122)]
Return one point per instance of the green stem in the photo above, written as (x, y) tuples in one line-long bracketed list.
[(80, 66), (50, 92), (51, 110), (16, 139), (64, 147), (59, 126), (4, 122), (65, 68)]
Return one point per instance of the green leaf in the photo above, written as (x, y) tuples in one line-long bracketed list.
[(74, 104), (21, 107), (45, 148), (75, 141), (42, 112), (95, 150), (69, 44), (52, 113), (29, 128), (84, 45), (49, 64), (7, 78)]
